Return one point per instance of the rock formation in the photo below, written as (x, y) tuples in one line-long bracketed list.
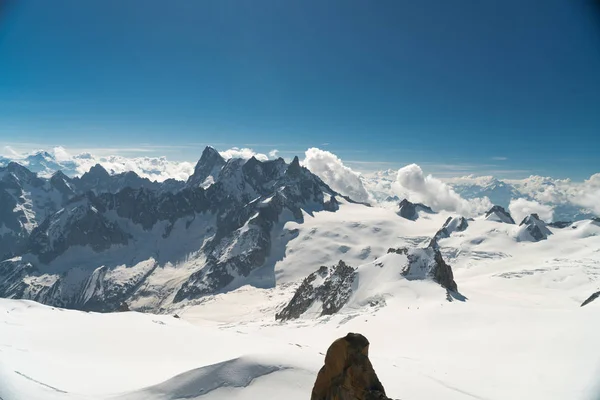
[(409, 210), (332, 286), (591, 298), (533, 229), (348, 373), (499, 214)]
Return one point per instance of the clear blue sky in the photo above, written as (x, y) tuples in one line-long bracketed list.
[(398, 81)]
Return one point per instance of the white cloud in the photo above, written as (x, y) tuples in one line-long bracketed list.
[(153, 168), (411, 183), (520, 208), (274, 153), (10, 152), (588, 194), (584, 194), (499, 158), (61, 154), (333, 172), (245, 153)]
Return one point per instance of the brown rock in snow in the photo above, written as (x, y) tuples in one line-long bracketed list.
[(348, 373)]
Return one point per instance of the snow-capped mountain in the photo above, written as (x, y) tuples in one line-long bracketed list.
[(533, 229), (131, 241)]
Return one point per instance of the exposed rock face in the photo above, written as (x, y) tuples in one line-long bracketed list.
[(456, 224), (409, 210), (499, 214), (348, 373), (329, 289), (81, 223), (533, 229), (560, 224), (208, 167), (332, 286), (591, 298), (428, 263)]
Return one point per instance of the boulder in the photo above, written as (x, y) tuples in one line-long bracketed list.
[(348, 373)]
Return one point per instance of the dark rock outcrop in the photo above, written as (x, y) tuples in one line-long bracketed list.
[(456, 224), (210, 164), (499, 214), (348, 373), (330, 285), (560, 224), (591, 298), (409, 210)]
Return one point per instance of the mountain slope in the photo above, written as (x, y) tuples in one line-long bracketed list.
[(149, 247)]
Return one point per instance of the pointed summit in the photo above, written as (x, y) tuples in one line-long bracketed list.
[(294, 168), (409, 210), (98, 171), (499, 214), (533, 229), (209, 166)]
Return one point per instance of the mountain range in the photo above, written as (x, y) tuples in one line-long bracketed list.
[(104, 241), (232, 283)]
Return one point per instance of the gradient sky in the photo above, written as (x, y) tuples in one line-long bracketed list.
[(511, 87)]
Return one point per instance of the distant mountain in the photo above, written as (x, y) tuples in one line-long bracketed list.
[(42, 163), (411, 211), (499, 214), (533, 229)]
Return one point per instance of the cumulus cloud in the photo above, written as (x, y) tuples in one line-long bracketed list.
[(332, 171), (274, 153), (587, 195), (61, 154), (245, 153), (413, 184), (520, 208)]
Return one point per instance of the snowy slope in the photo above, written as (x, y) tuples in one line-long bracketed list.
[(519, 334)]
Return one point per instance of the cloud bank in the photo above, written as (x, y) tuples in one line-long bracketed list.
[(332, 171), (520, 208), (244, 153), (411, 183)]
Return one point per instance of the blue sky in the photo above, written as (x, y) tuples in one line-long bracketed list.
[(511, 86)]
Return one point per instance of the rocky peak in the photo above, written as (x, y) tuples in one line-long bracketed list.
[(22, 175), (533, 229), (452, 224), (294, 168), (95, 175), (209, 165), (348, 373), (499, 214), (63, 184), (409, 210), (332, 286)]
